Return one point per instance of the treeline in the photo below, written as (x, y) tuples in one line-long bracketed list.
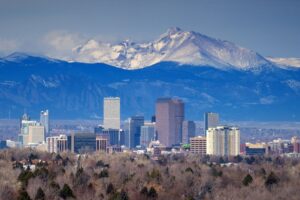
[(28, 174)]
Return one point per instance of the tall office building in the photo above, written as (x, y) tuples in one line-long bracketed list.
[(147, 134), (188, 131), (81, 142), (223, 141), (111, 113), (56, 144), (211, 120), (44, 120), (133, 131), (198, 145), (169, 117)]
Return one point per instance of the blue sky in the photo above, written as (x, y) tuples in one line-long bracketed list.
[(270, 27)]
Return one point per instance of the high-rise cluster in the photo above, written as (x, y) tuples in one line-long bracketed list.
[(168, 129)]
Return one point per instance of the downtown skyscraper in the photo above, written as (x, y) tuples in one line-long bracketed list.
[(211, 120), (133, 131), (44, 120), (169, 118), (111, 117)]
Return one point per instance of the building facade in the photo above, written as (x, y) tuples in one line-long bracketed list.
[(223, 141), (56, 144), (198, 145), (211, 120), (133, 131), (188, 131), (111, 118), (36, 134), (113, 136), (101, 143), (147, 134), (169, 114), (30, 132), (256, 149), (81, 142)]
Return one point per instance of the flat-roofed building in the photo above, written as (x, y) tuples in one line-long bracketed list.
[(188, 131), (82, 142), (112, 116), (223, 141), (198, 145), (36, 134), (56, 144), (211, 120), (101, 143), (169, 117), (256, 149)]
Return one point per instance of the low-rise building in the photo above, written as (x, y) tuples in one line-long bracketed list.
[(256, 149)]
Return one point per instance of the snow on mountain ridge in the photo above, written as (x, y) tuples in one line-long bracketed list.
[(288, 62), (176, 45)]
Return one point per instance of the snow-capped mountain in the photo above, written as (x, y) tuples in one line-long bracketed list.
[(176, 45), (287, 62)]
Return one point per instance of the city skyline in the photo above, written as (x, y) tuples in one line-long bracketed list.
[(149, 100)]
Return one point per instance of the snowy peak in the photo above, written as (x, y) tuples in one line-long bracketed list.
[(286, 62), (176, 45)]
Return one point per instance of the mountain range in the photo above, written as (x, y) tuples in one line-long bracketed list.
[(208, 74)]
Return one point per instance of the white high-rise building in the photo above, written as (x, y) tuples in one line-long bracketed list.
[(211, 120), (111, 118), (44, 120), (223, 141)]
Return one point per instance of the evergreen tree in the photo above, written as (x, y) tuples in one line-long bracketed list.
[(152, 193), (271, 180), (23, 195), (66, 192), (40, 195), (247, 180), (110, 189)]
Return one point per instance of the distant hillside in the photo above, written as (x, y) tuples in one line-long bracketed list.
[(76, 90)]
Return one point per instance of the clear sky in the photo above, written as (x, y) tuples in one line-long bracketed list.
[(270, 27)]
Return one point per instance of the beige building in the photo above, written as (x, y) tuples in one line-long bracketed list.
[(198, 145), (223, 141), (111, 118), (36, 134)]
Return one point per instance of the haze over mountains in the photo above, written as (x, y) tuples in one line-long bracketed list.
[(208, 74)]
